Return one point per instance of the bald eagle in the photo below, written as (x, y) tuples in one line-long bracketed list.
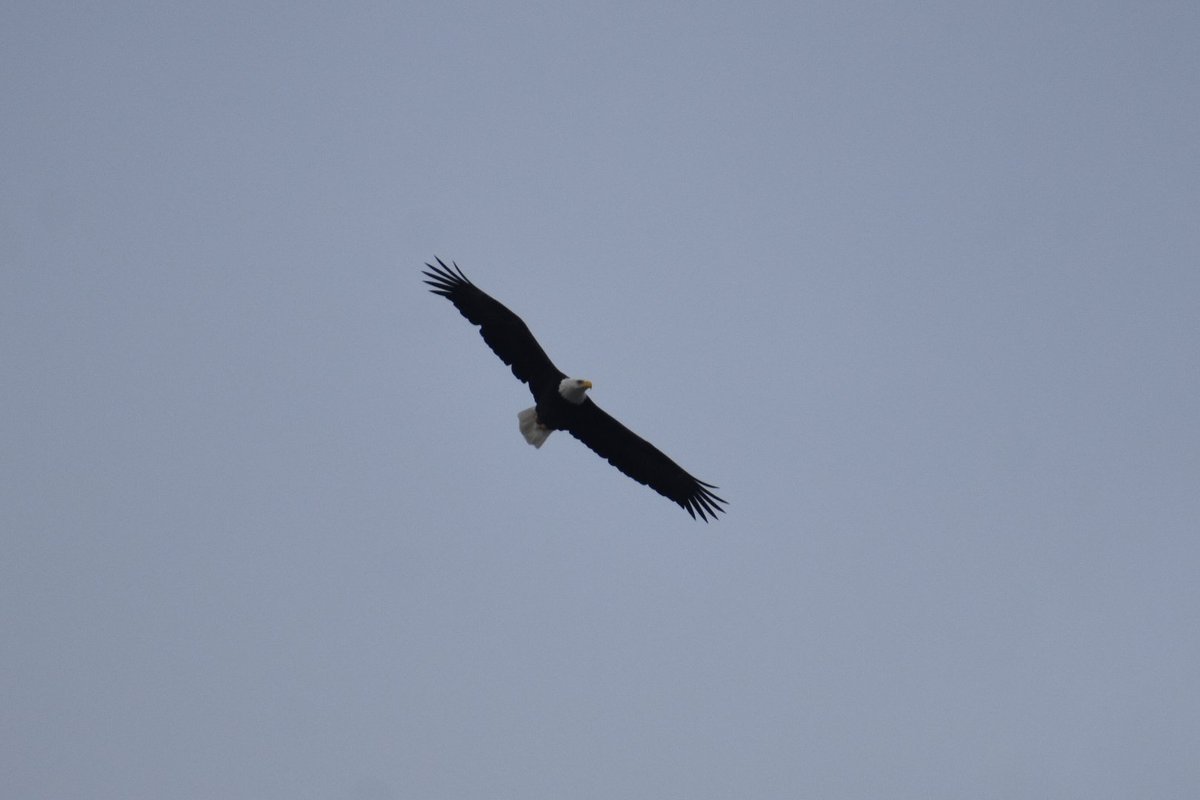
[(560, 402)]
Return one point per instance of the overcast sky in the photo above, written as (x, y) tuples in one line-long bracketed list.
[(916, 284)]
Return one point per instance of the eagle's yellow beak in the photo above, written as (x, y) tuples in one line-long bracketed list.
[(587, 384)]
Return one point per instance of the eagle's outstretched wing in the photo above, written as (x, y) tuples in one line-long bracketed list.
[(504, 331), (642, 461)]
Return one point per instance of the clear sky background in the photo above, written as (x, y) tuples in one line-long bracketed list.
[(916, 284)]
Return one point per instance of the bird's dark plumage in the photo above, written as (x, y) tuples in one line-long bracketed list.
[(504, 331), (510, 339)]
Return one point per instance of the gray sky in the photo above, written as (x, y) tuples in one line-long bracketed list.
[(915, 284)]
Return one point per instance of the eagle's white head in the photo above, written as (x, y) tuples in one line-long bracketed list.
[(574, 390)]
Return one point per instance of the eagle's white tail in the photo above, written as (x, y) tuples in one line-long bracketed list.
[(534, 432)]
